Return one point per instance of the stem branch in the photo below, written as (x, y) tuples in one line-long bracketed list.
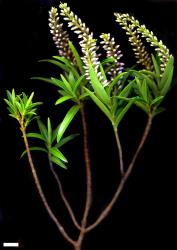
[(40, 191), (124, 178), (62, 194), (88, 179), (119, 147)]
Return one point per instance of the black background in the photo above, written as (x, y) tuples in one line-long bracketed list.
[(145, 215)]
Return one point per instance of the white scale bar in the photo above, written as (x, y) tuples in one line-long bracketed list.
[(10, 244)]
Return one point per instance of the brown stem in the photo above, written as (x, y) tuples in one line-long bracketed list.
[(87, 167), (40, 191), (62, 194), (88, 179), (77, 247), (119, 147), (124, 178)]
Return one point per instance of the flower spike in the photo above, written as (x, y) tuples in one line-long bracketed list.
[(60, 37), (88, 43), (112, 50), (129, 25)]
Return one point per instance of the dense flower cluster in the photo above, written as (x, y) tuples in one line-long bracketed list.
[(87, 43), (60, 37), (112, 51), (140, 52), (133, 28), (162, 50)]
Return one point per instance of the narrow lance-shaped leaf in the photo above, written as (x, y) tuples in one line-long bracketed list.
[(57, 63), (49, 131), (144, 90), (123, 112), (57, 153), (71, 78), (54, 134), (68, 64), (63, 99), (157, 101), (34, 149), (98, 87), (44, 79), (35, 135), (167, 77), (61, 84), (126, 90), (156, 67), (115, 81), (167, 83), (66, 121), (77, 57), (65, 140), (42, 129), (100, 105), (67, 84), (29, 100), (78, 83), (58, 162)]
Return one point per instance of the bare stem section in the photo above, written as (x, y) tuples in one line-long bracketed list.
[(119, 147), (41, 193), (124, 178), (63, 196), (88, 180)]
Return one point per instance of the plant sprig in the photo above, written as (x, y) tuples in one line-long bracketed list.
[(21, 107)]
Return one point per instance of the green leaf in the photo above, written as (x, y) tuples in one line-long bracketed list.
[(142, 106), (63, 60), (99, 104), (167, 77), (44, 79), (115, 80), (77, 83), (98, 87), (49, 131), (55, 132), (35, 135), (29, 100), (55, 152), (57, 63), (34, 149), (67, 84), (77, 57), (144, 90), (148, 73), (63, 99), (43, 130), (156, 67), (58, 162), (71, 78), (9, 97), (107, 61), (66, 121), (167, 71), (150, 78), (83, 96), (123, 112), (65, 140), (12, 109), (68, 63), (126, 90), (103, 73), (19, 107), (58, 83), (157, 101)]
